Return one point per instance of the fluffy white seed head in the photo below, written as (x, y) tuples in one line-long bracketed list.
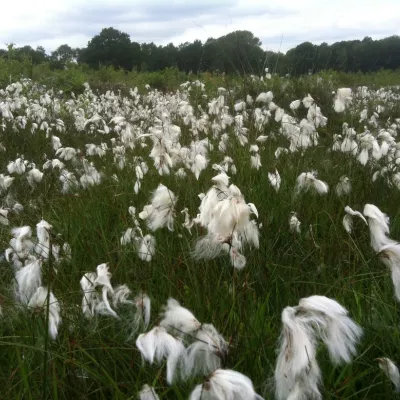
[(161, 211), (178, 319), (39, 301), (206, 354), (378, 225), (148, 393), (296, 367), (307, 181), (348, 218), (339, 332), (157, 345), (275, 180), (225, 384), (143, 304), (391, 371), (28, 279)]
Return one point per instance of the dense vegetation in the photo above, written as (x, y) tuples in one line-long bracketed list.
[(238, 52), (81, 161)]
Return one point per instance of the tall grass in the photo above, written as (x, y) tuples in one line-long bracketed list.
[(98, 359)]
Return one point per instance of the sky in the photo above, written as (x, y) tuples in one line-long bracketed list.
[(280, 25)]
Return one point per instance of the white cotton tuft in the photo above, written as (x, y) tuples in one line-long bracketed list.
[(120, 295), (3, 217), (161, 211), (92, 303), (296, 364), (262, 138), (34, 176), (90, 298), (279, 113), (178, 319), (389, 254), (126, 238), (103, 276), (343, 188), (226, 216), (21, 242), (378, 225), (206, 354), (39, 300), (294, 105), (199, 164), (188, 224), (391, 371), (275, 180), (229, 214), (43, 229), (28, 278), (308, 101), (208, 247), (348, 218), (224, 384), (103, 280), (157, 345), (238, 260), (137, 186), (347, 223), (181, 173), (339, 333), (146, 247), (297, 374), (307, 181), (388, 250), (255, 161), (265, 97), (143, 304), (5, 182), (16, 167), (294, 223), (342, 99), (197, 393), (240, 106), (148, 393)]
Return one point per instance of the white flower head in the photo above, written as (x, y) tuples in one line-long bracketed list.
[(178, 319), (206, 354), (157, 345), (275, 180), (39, 300), (294, 223), (307, 181), (348, 218), (391, 371), (148, 393), (28, 279), (225, 384)]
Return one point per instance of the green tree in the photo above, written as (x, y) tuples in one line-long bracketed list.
[(301, 59), (190, 56), (64, 54), (110, 47)]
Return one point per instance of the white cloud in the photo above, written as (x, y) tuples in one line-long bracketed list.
[(52, 23)]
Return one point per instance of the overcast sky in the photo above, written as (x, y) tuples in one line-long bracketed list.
[(280, 25)]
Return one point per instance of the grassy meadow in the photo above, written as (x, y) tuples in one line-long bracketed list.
[(86, 200)]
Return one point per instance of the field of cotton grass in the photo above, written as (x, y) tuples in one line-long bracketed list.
[(238, 243)]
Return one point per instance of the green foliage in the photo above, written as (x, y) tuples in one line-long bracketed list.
[(110, 47), (237, 53), (13, 70), (365, 55), (97, 359)]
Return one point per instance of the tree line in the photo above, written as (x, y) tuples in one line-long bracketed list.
[(238, 52)]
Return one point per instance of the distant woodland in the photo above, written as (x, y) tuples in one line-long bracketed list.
[(239, 52)]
